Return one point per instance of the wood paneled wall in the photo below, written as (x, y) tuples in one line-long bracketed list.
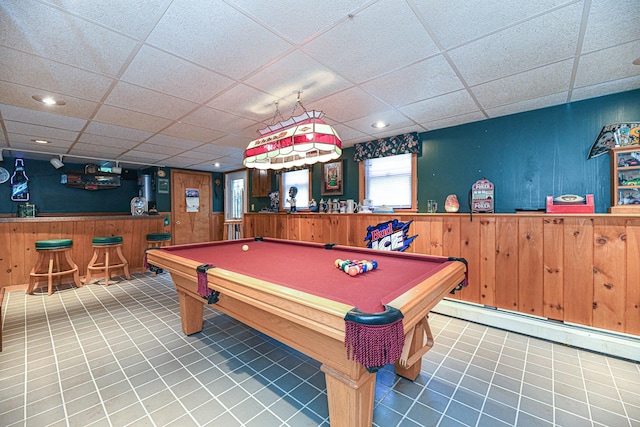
[(582, 269), (18, 237)]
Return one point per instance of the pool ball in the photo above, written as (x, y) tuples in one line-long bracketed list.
[(245, 248)]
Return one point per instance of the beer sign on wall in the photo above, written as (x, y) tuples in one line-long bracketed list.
[(389, 236)]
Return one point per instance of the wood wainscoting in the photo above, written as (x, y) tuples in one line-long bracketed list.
[(581, 269), (18, 237)]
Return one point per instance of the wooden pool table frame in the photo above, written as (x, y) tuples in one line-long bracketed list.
[(312, 325)]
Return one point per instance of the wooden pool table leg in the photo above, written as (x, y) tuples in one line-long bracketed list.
[(416, 344), (191, 312), (350, 399)]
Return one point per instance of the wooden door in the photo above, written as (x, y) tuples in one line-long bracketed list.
[(191, 221)]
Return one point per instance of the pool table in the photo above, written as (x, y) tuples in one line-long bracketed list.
[(293, 292)]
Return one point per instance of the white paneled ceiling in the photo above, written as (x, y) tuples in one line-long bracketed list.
[(188, 83)]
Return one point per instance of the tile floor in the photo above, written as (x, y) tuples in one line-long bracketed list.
[(116, 356)]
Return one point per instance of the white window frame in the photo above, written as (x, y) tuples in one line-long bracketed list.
[(301, 203), (414, 186)]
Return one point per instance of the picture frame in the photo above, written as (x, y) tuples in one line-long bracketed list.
[(163, 186), (332, 179)]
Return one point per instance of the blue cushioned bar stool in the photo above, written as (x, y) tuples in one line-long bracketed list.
[(154, 241), (49, 266), (105, 250)]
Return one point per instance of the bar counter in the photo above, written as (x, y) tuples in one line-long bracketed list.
[(19, 234)]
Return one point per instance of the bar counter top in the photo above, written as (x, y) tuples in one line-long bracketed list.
[(77, 217)]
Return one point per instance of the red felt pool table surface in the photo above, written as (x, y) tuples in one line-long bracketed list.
[(310, 268)]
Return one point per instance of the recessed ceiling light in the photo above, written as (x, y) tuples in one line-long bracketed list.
[(47, 100), (216, 164), (41, 141), (637, 61), (379, 125)]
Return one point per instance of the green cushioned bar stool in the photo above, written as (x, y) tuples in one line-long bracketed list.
[(157, 240), (105, 249), (154, 241), (49, 265)]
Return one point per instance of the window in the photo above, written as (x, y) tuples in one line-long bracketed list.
[(302, 181), (390, 181)]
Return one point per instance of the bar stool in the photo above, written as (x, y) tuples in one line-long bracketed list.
[(158, 240), (103, 250), (155, 241), (49, 252)]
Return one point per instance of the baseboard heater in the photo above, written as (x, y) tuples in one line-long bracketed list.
[(615, 344)]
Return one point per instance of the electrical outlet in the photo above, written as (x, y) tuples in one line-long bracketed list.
[(253, 207)]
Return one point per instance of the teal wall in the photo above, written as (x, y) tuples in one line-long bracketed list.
[(50, 196), (527, 156)]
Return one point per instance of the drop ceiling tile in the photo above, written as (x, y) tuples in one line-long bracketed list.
[(136, 98), (214, 150), (41, 118), (117, 132), (525, 86), (171, 141), (540, 41), (278, 15), (347, 134), (134, 18), (454, 121), (473, 19), (163, 72), (21, 96), (611, 22), (392, 117), (44, 75), (107, 142), (67, 38), (234, 141), (143, 156), (165, 150), (394, 132), (311, 78), (425, 79), (217, 36), (20, 145), (350, 104), (219, 120), (26, 141), (245, 101), (371, 31), (93, 150), (179, 162), (197, 157), (449, 105), (528, 105), (607, 88), (195, 133), (209, 167), (608, 65), (131, 119), (39, 132)]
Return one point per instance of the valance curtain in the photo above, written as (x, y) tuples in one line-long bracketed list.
[(399, 144)]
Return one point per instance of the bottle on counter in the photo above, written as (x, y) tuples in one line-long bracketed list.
[(19, 183)]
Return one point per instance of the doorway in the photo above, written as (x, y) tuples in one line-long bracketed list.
[(234, 203), (190, 207)]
